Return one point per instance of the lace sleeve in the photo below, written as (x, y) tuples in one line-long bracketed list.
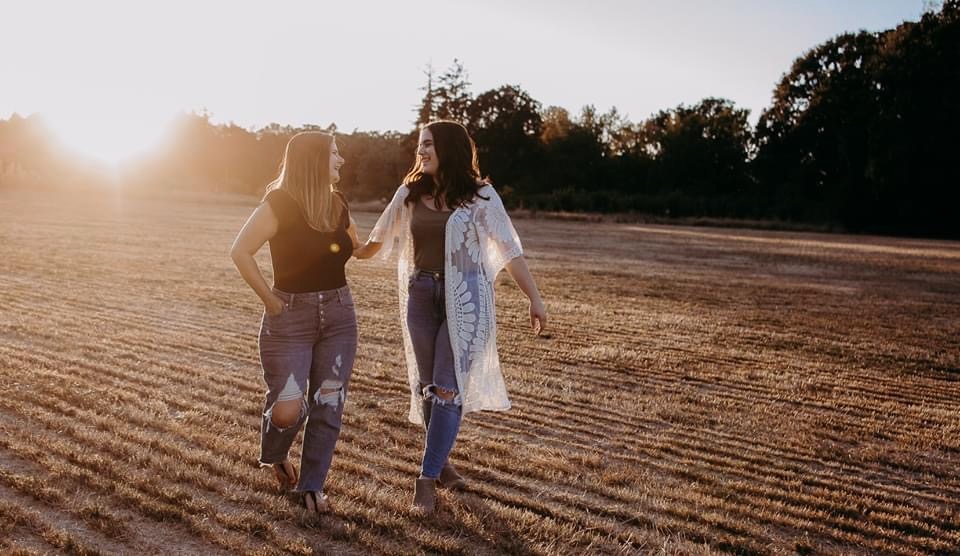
[(503, 243), (387, 229)]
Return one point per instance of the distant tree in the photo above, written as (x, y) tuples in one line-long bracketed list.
[(8, 150), (573, 152), (700, 150), (195, 159), (376, 163), (452, 96), (556, 124), (277, 129), (862, 130), (35, 146), (506, 124), (446, 97), (426, 111), (913, 138), (932, 6), (619, 134), (814, 139)]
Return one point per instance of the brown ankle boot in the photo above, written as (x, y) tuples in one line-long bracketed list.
[(425, 496), (450, 479)]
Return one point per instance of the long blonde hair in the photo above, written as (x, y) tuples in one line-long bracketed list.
[(305, 176)]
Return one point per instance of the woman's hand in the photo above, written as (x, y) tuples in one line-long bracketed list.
[(538, 316), (367, 250), (273, 305), (517, 268)]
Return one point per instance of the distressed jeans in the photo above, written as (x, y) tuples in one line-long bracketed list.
[(309, 346), (427, 323)]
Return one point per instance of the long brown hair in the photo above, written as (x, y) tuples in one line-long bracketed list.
[(457, 178), (305, 176)]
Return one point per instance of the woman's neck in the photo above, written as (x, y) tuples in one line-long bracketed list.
[(430, 202)]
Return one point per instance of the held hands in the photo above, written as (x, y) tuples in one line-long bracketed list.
[(538, 316), (367, 250), (273, 305)]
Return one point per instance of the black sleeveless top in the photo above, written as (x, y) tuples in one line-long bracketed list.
[(305, 260)]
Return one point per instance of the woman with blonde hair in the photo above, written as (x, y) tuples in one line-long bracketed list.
[(454, 238), (308, 334)]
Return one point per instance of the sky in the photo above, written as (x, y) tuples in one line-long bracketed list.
[(110, 74)]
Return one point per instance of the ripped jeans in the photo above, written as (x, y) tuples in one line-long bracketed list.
[(306, 349), (427, 323)]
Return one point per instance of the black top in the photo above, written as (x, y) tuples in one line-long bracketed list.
[(429, 230), (305, 260)]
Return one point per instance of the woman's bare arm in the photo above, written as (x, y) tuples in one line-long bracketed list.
[(352, 232), (517, 269), (259, 228)]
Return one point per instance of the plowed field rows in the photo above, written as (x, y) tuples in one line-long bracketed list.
[(700, 391)]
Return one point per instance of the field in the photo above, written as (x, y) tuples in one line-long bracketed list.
[(701, 391)]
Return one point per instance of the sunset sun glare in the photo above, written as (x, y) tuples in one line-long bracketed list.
[(109, 136)]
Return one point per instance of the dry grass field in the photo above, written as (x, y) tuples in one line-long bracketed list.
[(702, 391)]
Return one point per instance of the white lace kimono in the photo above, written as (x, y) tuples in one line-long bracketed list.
[(480, 240)]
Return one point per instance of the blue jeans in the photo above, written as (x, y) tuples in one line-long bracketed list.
[(427, 323), (309, 346)]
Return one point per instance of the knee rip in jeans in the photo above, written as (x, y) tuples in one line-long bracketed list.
[(442, 396), (330, 393), (281, 416)]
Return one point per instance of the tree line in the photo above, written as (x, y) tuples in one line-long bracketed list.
[(860, 136)]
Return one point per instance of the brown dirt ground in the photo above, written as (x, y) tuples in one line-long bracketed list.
[(701, 390)]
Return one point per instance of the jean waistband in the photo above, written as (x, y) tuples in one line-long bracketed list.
[(435, 274), (315, 297)]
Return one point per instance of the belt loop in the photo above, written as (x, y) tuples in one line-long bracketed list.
[(340, 295), (290, 302)]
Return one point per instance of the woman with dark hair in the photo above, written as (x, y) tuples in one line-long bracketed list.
[(454, 238), (308, 335)]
